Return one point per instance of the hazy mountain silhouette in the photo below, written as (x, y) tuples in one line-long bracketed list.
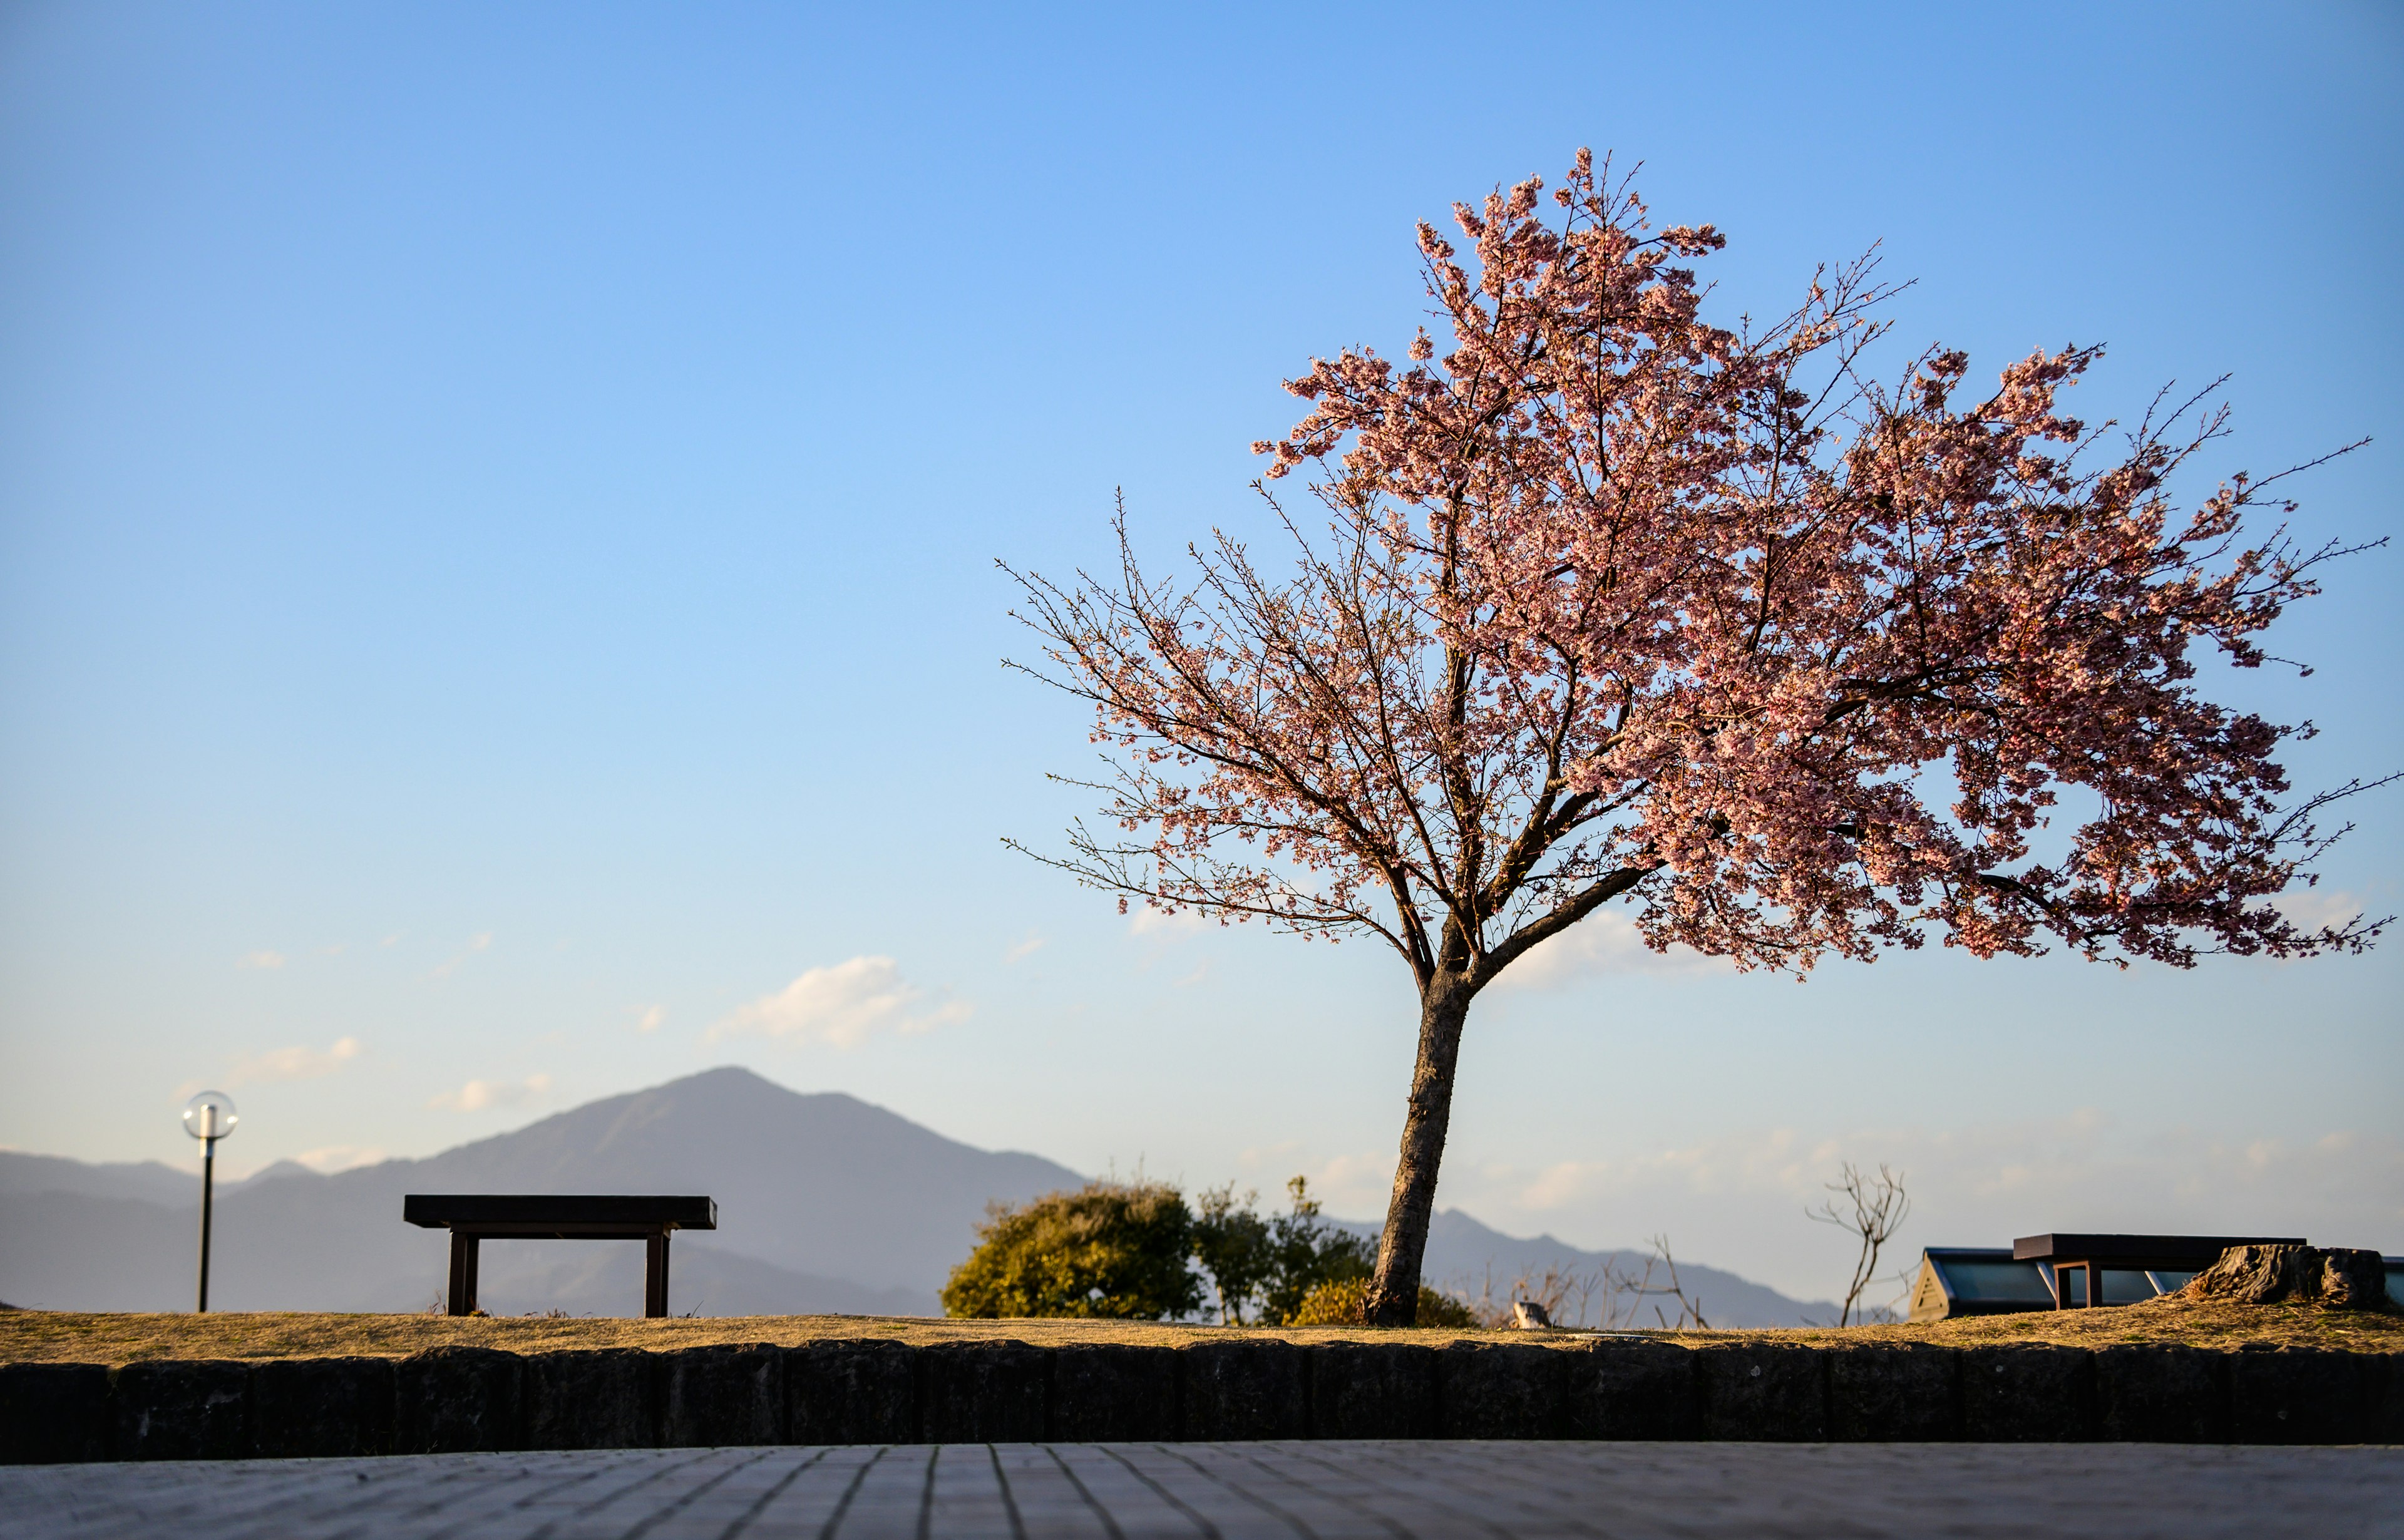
[(825, 1204)]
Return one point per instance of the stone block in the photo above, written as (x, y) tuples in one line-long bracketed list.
[(2162, 1394), (1629, 1388), (170, 1409), (320, 1407), (53, 1414), (1240, 1389), (982, 1392), (1114, 1393), (717, 1396), (2305, 1395), (1902, 1393), (852, 1392), (1761, 1393), (2391, 1403), (589, 1400), (456, 1400), (1502, 1390), (2025, 1392), (1373, 1390)]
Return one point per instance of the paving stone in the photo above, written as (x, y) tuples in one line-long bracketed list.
[(2304, 1395), (1118, 1393), (589, 1399), (731, 1393), (1352, 1490), (982, 1392), (2028, 1393), (1893, 1391), (852, 1392), (53, 1413), (1632, 1389), (450, 1400), (320, 1407), (180, 1409), (1502, 1390), (1761, 1393), (1249, 1388), (1371, 1389), (2162, 1394)]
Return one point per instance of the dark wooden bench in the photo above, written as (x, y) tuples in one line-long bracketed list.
[(2089, 1257), (474, 1217)]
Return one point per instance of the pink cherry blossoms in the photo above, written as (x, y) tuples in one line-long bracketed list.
[(1616, 604)]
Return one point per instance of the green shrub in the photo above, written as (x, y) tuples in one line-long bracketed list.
[(1340, 1303), (1262, 1268), (1109, 1248)]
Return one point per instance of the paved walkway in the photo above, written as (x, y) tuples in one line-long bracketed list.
[(1124, 1491)]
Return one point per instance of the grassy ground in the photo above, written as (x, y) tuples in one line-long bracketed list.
[(69, 1336)]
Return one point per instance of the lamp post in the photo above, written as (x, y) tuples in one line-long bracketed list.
[(208, 1117)]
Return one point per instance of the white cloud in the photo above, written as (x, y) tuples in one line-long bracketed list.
[(2311, 908), (339, 1157), (1600, 946), (481, 942), (262, 959), (295, 1063), (651, 1019), (1159, 922), (1026, 948), (843, 1005), (477, 1094)]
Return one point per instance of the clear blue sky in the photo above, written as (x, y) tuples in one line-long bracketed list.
[(497, 508)]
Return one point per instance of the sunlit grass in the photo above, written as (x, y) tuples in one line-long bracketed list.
[(76, 1337)]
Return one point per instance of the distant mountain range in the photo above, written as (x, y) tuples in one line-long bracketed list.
[(826, 1204)]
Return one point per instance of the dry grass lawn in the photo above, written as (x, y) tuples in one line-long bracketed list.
[(70, 1336)]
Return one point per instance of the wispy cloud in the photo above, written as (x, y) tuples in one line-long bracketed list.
[(477, 1094), (1157, 922), (479, 943), (1598, 946), (1026, 948), (843, 1006), (2311, 908), (339, 1157), (261, 960), (298, 1062), (650, 1018)]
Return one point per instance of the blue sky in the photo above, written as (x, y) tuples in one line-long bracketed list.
[(498, 514)]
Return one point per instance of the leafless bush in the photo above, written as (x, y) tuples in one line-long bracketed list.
[(1613, 1295), (1878, 1208)]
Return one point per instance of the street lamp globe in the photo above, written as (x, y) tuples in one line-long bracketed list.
[(210, 1116)]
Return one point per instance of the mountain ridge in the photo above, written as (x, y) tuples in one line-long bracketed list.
[(826, 1203)]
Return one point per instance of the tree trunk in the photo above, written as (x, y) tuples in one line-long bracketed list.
[(1393, 1298)]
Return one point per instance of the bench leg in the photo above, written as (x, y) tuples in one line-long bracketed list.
[(655, 1275), (462, 1294)]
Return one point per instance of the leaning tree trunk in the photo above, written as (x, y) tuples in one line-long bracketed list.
[(1393, 1298)]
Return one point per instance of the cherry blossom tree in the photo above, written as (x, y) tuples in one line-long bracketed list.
[(1608, 603)]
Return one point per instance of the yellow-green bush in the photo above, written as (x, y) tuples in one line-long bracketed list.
[(1109, 1248), (1340, 1303)]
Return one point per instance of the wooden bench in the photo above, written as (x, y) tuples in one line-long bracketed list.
[(475, 1217)]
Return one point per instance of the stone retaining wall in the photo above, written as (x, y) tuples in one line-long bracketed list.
[(849, 1392)]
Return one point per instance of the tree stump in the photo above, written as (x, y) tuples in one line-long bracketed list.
[(2333, 1278)]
